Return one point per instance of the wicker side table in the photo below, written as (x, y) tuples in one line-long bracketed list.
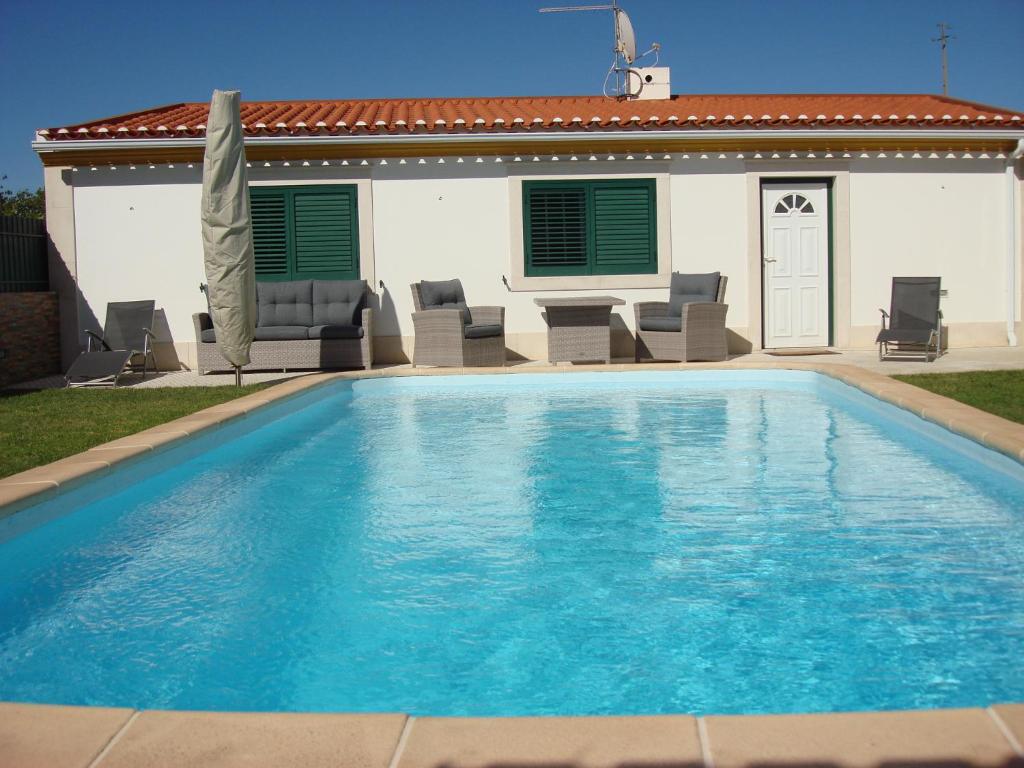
[(579, 328)]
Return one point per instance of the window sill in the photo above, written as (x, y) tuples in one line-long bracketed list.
[(588, 282)]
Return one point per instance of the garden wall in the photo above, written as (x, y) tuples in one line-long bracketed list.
[(29, 336)]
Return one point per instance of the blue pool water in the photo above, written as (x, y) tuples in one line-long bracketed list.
[(530, 544)]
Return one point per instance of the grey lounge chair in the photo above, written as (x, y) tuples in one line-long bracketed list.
[(451, 333), (126, 335), (689, 326), (914, 319)]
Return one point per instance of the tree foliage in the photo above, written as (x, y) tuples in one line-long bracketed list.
[(24, 202)]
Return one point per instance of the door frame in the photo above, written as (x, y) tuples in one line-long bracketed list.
[(836, 174), (829, 182)]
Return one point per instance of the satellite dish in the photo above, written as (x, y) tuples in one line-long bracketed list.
[(625, 38), (626, 82)]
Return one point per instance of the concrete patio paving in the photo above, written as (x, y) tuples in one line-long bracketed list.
[(957, 360)]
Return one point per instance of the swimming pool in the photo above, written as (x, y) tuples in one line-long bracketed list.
[(728, 541)]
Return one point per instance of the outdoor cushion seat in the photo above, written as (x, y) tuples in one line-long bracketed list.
[(661, 324), (281, 333), (338, 303), (208, 336), (336, 332), (287, 303), (446, 294), (483, 331), (685, 289)]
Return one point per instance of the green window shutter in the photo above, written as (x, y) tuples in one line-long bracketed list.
[(326, 233), (604, 227), (555, 217), (269, 233), (302, 233), (625, 236)]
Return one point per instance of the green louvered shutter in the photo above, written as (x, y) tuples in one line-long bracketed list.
[(326, 233), (625, 236), (555, 218), (270, 233), (302, 233)]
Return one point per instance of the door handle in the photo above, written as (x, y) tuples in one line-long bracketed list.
[(768, 261)]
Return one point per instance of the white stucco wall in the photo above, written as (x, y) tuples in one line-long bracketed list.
[(137, 235), (930, 217)]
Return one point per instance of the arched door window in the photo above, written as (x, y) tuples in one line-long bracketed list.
[(794, 202)]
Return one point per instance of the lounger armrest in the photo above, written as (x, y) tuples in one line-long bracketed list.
[(650, 309), (488, 315), (201, 321), (885, 316), (92, 335), (367, 341), (704, 313), (438, 321)]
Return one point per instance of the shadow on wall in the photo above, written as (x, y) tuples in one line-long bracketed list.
[(387, 336)]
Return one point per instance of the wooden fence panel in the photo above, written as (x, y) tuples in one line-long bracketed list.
[(23, 254)]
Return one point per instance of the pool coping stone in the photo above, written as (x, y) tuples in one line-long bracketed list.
[(55, 735)]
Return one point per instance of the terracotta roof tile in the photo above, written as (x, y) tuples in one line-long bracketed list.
[(554, 113)]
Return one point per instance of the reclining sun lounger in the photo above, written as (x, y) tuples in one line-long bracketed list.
[(126, 335)]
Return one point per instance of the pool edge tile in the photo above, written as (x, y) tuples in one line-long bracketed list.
[(51, 736), (854, 739), (580, 742), (1010, 719), (229, 739)]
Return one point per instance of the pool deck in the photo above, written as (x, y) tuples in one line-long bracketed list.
[(89, 737)]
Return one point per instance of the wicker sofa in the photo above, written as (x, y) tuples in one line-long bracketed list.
[(451, 333), (300, 324), (689, 326)]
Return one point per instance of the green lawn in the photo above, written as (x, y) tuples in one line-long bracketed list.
[(998, 392), (40, 427)]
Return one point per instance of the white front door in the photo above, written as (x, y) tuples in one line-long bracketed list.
[(795, 260)]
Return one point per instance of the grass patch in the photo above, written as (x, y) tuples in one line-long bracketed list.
[(998, 392), (40, 427)]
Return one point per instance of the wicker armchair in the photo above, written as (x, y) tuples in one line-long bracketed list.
[(449, 333), (696, 333)]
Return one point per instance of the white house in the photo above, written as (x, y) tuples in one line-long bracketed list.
[(862, 187)]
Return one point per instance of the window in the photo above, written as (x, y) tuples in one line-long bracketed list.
[(302, 233), (605, 227), (794, 202)]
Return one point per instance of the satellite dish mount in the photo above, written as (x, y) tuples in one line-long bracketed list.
[(623, 80)]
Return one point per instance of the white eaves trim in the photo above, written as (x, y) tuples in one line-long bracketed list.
[(768, 136)]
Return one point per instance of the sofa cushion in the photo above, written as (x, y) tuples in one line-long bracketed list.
[(482, 331), (343, 331), (285, 303), (208, 335), (281, 332), (661, 324), (338, 302), (688, 288), (445, 294)]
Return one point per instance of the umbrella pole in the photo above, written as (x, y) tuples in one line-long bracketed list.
[(238, 375)]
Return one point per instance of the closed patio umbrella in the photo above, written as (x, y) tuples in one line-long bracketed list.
[(227, 232)]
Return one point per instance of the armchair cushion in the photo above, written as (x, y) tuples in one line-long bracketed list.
[(689, 288), (281, 332), (338, 302), (482, 331), (661, 324), (285, 303), (207, 335), (445, 294), (343, 331)]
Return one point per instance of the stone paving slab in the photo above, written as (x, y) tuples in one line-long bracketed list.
[(1011, 717), (40, 736), (580, 742), (940, 737), (243, 740)]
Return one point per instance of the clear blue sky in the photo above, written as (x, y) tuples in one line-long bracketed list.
[(66, 62)]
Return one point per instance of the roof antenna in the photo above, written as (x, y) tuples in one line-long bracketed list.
[(942, 39), (626, 82)]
